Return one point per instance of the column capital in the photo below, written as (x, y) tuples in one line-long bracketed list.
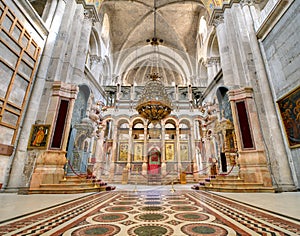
[(218, 19), (247, 2), (89, 15), (212, 60), (95, 58)]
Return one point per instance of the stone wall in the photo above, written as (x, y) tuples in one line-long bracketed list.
[(281, 48)]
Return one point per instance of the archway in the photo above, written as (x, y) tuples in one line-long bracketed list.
[(154, 162)]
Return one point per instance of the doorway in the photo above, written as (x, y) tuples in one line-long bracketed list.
[(154, 162), (223, 162)]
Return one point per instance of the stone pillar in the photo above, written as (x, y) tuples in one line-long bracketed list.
[(96, 66), (163, 151), (268, 117), (177, 148), (252, 158), (130, 148), (225, 56), (145, 159), (113, 153), (210, 74), (71, 52), (192, 151), (49, 12), (50, 163), (98, 166), (60, 49), (83, 46)]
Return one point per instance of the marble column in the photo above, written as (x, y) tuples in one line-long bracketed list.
[(114, 153), (192, 151), (145, 159), (130, 148), (210, 74), (96, 66), (252, 160), (50, 163), (224, 50), (99, 151), (163, 151), (177, 149), (83, 46), (278, 158)]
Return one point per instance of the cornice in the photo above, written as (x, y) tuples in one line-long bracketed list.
[(91, 11), (217, 11)]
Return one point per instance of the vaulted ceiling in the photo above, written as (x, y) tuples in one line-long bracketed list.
[(131, 23)]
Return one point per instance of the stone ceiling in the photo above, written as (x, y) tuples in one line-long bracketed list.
[(131, 23)]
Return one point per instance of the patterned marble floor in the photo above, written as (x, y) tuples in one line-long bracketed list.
[(151, 213)]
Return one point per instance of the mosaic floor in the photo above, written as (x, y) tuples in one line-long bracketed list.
[(151, 213)]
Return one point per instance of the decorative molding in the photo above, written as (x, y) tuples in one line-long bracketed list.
[(272, 18), (212, 60), (95, 58), (247, 2), (218, 19), (90, 11), (64, 90)]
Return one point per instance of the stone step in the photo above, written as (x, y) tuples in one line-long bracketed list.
[(68, 185), (228, 181), (68, 191), (232, 185), (238, 189)]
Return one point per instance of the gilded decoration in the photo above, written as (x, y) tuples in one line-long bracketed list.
[(123, 152), (184, 152), (289, 107), (39, 136), (169, 151), (138, 152)]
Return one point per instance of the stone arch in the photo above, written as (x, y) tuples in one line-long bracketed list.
[(202, 73), (224, 103), (105, 30), (81, 104), (128, 62), (213, 46)]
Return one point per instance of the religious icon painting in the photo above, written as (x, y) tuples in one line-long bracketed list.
[(39, 136), (170, 153), (184, 152), (289, 107), (123, 151), (138, 152)]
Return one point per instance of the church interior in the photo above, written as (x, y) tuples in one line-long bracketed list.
[(153, 117)]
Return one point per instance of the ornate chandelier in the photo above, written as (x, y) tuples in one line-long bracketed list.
[(154, 103)]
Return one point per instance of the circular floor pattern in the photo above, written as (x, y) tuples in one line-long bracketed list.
[(152, 203), (152, 208), (119, 209), (101, 229), (153, 230), (203, 229), (180, 202), (110, 217), (129, 198), (191, 216), (124, 203), (184, 208), (152, 198), (151, 217)]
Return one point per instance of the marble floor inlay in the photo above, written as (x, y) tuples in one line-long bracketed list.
[(152, 213)]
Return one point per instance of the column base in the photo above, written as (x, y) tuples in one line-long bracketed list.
[(253, 167), (49, 168)]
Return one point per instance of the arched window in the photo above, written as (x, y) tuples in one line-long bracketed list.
[(170, 131)]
